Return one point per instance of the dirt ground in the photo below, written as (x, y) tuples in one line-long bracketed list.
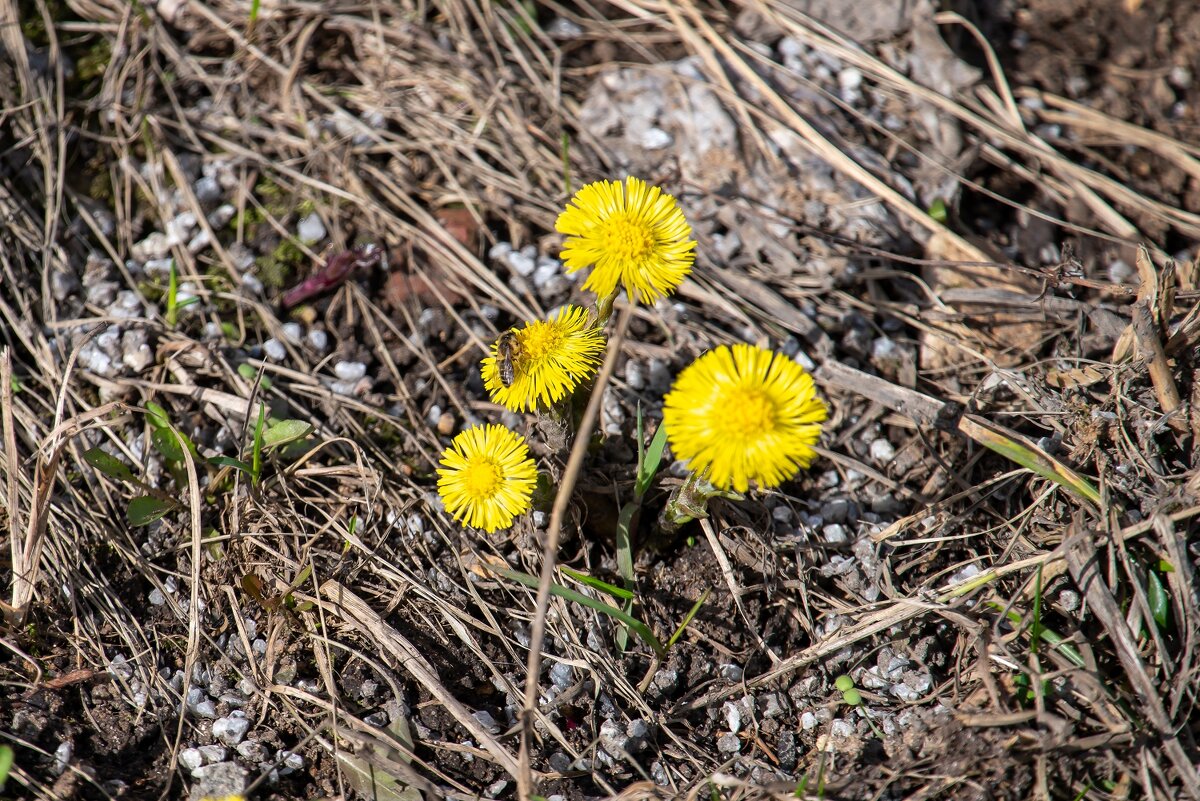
[(976, 225)]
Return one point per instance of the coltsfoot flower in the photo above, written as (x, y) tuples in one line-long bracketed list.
[(744, 414), (633, 234), (487, 477), (548, 358)]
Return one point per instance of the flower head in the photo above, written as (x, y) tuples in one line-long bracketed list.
[(744, 413), (487, 477), (549, 358), (634, 234)]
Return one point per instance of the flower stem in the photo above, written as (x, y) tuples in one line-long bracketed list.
[(689, 501)]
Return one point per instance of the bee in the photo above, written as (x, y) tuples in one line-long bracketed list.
[(508, 350)]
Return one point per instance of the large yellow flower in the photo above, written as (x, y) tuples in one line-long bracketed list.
[(487, 477), (744, 414), (549, 359), (634, 234)]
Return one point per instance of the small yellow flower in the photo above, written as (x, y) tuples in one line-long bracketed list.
[(634, 234), (744, 414), (487, 477), (550, 358)]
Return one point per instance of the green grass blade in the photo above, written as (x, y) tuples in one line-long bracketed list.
[(1013, 446), (688, 618), (639, 628), (597, 584)]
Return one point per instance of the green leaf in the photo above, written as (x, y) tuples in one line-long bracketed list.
[(648, 469), (108, 464), (284, 431), (7, 756), (937, 210), (158, 415), (145, 509), (229, 461), (250, 373), (1160, 599), (597, 584), (164, 441)]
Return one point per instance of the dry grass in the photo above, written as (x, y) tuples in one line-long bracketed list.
[(362, 578)]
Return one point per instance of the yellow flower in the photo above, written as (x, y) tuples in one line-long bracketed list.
[(634, 234), (744, 414), (487, 477), (549, 358)]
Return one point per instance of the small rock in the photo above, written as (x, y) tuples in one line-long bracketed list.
[(310, 229), (135, 350), (349, 371), (318, 340), (563, 29), (230, 730), (808, 721), (292, 332), (730, 672), (733, 717), (841, 728), (180, 228), (190, 758), (445, 423), (882, 451), (836, 510), (274, 350), (545, 272), (62, 757), (220, 780), (634, 375), (212, 753), (254, 751), (221, 216), (207, 190), (485, 719), (291, 760), (521, 264), (156, 597), (119, 666), (834, 534), (155, 246), (656, 139), (562, 675), (496, 788), (729, 744)]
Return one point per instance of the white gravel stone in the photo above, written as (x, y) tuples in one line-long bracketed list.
[(156, 597), (274, 350), (656, 139), (349, 371), (635, 375), (251, 284), (563, 29), (521, 263), (190, 758), (213, 753), (293, 333), (230, 730), (221, 215), (733, 717), (485, 719), (154, 246), (834, 534), (841, 728), (808, 721), (135, 350), (126, 306), (310, 229), (181, 227), (882, 451), (318, 339), (207, 189), (729, 744), (62, 757), (730, 671)]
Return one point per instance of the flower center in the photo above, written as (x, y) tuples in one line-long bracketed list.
[(626, 240), (482, 479), (538, 340), (749, 414)]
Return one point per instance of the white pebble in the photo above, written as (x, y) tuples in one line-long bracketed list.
[(834, 534), (221, 215), (318, 339), (310, 229), (274, 350), (521, 264), (349, 371), (882, 451), (230, 730), (155, 246), (656, 139), (190, 758), (293, 333)]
